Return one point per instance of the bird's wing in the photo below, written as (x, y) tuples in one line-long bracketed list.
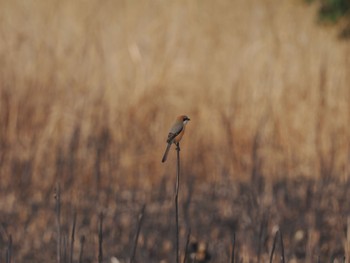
[(174, 131)]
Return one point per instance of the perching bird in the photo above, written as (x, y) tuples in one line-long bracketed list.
[(175, 134)]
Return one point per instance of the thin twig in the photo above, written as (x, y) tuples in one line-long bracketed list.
[(187, 243), (100, 240), (58, 221), (65, 249), (282, 247), (261, 235), (233, 243), (82, 241), (139, 224), (9, 250), (347, 244), (273, 246), (177, 201), (72, 238)]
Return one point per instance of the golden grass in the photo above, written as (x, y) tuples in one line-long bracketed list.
[(245, 72), (88, 90)]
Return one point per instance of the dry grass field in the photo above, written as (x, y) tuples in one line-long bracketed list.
[(88, 90)]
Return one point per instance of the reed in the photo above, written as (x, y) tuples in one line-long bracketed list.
[(138, 229)]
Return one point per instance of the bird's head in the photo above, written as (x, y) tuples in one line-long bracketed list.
[(184, 119)]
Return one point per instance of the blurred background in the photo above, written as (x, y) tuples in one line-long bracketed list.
[(89, 89)]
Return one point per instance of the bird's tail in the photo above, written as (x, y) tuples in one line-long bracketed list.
[(166, 152)]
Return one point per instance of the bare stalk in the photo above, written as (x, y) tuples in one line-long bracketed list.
[(187, 243), (65, 249), (261, 235), (277, 235), (139, 224), (58, 221), (273, 247), (177, 201), (9, 250), (233, 243), (347, 245), (282, 247), (82, 241), (72, 238), (100, 240)]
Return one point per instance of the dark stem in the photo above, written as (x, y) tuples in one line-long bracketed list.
[(9, 250), (187, 243), (100, 239), (282, 247), (273, 246), (65, 249), (139, 224), (176, 201), (233, 243), (82, 241), (72, 238), (58, 221), (262, 234)]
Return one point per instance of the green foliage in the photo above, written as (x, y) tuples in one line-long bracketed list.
[(332, 10)]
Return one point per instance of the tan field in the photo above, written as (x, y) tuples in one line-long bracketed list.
[(89, 89)]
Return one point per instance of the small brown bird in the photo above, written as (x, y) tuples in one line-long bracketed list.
[(175, 134)]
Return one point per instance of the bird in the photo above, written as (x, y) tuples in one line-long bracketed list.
[(176, 132)]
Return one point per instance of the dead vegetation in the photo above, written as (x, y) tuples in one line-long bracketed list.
[(88, 90)]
